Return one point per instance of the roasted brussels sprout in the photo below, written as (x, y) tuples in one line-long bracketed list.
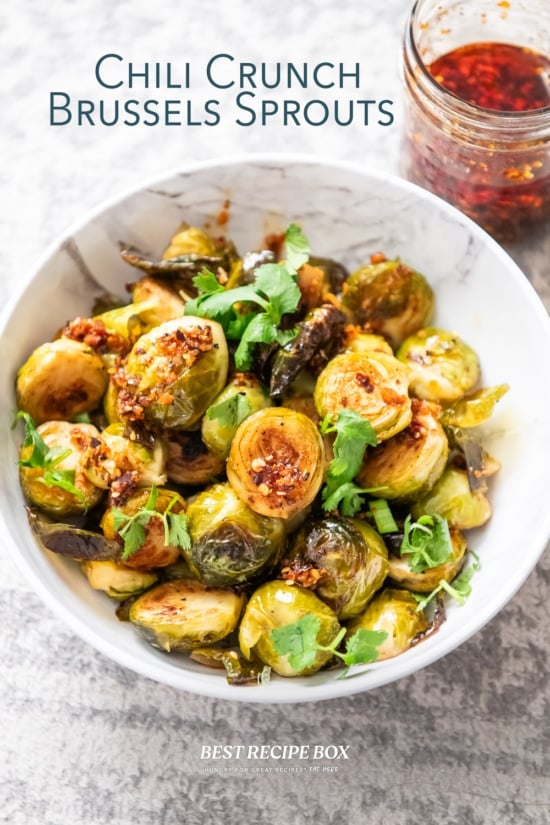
[(190, 240), (61, 485), (426, 580), (276, 604), (189, 461), (153, 551), (231, 544), (441, 366), (372, 384), (350, 556), (452, 498), (125, 455), (358, 341), (183, 614), (158, 301), (474, 409), (390, 299), (116, 580), (395, 612), (60, 380), (276, 462), (319, 336), (173, 373), (242, 396), (410, 463)]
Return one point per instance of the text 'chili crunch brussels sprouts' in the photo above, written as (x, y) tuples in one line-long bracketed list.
[(276, 462), (173, 373)]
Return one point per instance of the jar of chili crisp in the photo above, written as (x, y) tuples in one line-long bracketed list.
[(477, 116)]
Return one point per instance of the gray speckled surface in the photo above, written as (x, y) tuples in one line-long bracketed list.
[(84, 741)]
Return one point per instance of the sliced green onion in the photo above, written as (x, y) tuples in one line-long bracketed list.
[(384, 520)]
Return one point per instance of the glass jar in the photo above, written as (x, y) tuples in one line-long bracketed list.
[(492, 164)]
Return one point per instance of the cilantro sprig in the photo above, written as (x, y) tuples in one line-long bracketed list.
[(231, 412), (298, 640), (427, 542), (252, 314), (132, 529), (48, 460), (459, 590), (353, 435)]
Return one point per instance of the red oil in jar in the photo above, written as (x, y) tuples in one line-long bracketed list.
[(478, 133)]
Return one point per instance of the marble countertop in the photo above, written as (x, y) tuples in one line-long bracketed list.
[(87, 742)]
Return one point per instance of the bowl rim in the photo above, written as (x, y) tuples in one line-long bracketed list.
[(217, 688)]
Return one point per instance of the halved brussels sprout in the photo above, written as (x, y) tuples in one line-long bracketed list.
[(441, 366), (62, 488), (158, 301), (373, 384), (410, 463), (153, 552), (351, 557), (189, 461), (183, 614), (242, 396), (231, 544), (452, 498), (425, 581), (276, 604), (190, 240), (116, 580), (390, 299), (395, 612), (474, 409), (358, 341), (173, 373), (126, 455), (61, 379), (276, 462)]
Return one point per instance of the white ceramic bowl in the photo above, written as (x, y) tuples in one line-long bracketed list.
[(347, 213)]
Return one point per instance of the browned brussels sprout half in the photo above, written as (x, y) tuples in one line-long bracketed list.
[(189, 461), (231, 544), (372, 384), (276, 462), (351, 557), (277, 604), (60, 380), (426, 580), (396, 613), (150, 548), (441, 366), (452, 498), (183, 614), (242, 396), (173, 373), (117, 580), (410, 463), (59, 482), (390, 299)]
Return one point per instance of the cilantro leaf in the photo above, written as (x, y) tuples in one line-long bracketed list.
[(298, 641), (47, 458), (459, 590), (280, 285), (361, 648), (353, 435), (427, 542), (232, 411), (260, 330), (132, 529), (297, 249)]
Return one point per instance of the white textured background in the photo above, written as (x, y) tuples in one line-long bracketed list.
[(85, 742)]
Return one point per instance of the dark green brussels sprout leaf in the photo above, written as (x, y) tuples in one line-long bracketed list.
[(72, 542)]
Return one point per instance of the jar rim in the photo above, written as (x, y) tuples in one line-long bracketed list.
[(480, 115)]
